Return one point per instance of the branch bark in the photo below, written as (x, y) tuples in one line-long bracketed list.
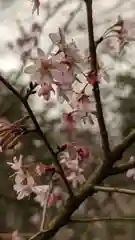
[(121, 168), (96, 91)]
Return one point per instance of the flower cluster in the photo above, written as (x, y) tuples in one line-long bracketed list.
[(25, 181), (58, 74), (72, 160)]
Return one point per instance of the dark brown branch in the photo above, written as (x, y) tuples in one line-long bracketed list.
[(125, 144), (121, 168), (38, 131), (96, 91)]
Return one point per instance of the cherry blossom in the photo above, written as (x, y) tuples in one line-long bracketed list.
[(131, 172), (16, 164), (48, 71), (24, 190), (42, 168), (70, 50), (44, 66), (68, 120), (83, 152), (92, 78), (20, 176), (71, 160), (45, 90), (76, 178)]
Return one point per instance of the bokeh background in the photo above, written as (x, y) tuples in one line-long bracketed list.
[(19, 26)]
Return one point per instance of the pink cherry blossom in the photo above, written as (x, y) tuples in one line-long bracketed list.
[(16, 164), (19, 176), (83, 152), (92, 78), (131, 172), (47, 71), (71, 160), (22, 189), (70, 50), (45, 90), (69, 120), (76, 178), (44, 65)]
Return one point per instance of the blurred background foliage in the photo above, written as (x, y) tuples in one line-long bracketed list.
[(20, 34)]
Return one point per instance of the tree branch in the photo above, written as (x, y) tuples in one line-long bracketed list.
[(121, 168), (125, 144), (96, 91), (38, 131)]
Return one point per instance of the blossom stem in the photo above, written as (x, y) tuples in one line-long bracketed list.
[(45, 207), (39, 132)]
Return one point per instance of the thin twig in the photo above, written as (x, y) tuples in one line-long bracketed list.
[(113, 190), (102, 219), (45, 207), (121, 168), (39, 132)]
